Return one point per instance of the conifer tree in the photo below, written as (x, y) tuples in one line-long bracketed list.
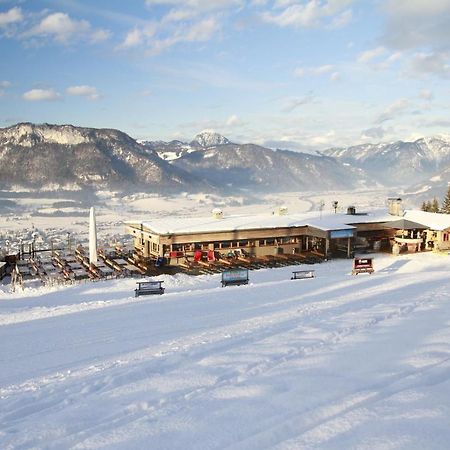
[(435, 206), (446, 203), (424, 206), (428, 206)]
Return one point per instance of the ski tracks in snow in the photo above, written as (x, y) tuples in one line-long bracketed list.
[(159, 386)]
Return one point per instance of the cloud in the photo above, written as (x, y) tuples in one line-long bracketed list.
[(393, 109), (198, 5), (371, 54), (323, 69), (309, 14), (335, 76), (313, 71), (100, 36), (299, 72), (414, 24), (139, 36), (434, 63), (293, 103), (133, 38), (156, 38), (11, 16), (4, 85), (342, 20), (63, 29), (234, 121), (230, 124), (177, 15), (183, 21), (379, 58), (60, 27), (83, 91), (36, 95), (426, 94), (201, 31), (443, 122), (422, 31), (373, 133)]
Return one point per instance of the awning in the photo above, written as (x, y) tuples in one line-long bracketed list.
[(405, 224)]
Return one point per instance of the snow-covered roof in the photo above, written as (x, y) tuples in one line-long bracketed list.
[(434, 221), (185, 225), (374, 216), (326, 222)]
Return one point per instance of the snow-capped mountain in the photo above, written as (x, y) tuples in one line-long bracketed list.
[(176, 149), (398, 163), (68, 157), (44, 157), (209, 138)]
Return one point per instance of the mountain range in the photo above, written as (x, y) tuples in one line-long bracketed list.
[(51, 157)]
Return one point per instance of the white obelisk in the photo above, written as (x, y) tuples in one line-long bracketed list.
[(92, 237)]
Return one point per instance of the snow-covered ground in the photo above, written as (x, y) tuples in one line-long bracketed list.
[(335, 362)]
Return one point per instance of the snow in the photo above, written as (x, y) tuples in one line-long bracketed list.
[(26, 134), (324, 221), (209, 138), (334, 362), (171, 225), (434, 221)]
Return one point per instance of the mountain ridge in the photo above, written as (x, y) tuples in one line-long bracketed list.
[(39, 156)]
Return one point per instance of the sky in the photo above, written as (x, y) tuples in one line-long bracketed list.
[(303, 75)]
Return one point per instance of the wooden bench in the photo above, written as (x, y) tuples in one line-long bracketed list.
[(234, 277), (362, 265), (303, 274), (149, 288)]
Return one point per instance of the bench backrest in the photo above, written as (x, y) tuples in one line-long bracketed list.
[(235, 275), (303, 274), (143, 285)]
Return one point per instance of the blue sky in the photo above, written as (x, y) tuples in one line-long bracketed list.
[(306, 74)]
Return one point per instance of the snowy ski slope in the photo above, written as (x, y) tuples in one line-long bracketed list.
[(335, 362)]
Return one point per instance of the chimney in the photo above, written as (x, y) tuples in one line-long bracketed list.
[(217, 213), (282, 211), (395, 206)]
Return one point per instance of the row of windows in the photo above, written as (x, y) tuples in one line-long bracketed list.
[(236, 244)]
